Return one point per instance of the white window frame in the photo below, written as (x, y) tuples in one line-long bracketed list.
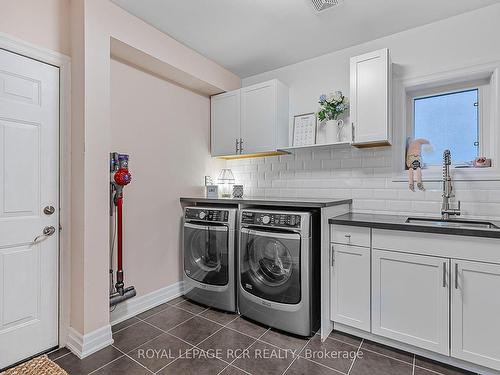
[(486, 78)]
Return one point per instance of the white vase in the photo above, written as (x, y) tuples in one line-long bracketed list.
[(334, 131), (331, 131)]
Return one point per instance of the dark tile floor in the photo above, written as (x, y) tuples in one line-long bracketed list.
[(182, 338)]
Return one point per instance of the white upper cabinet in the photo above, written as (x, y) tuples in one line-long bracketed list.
[(225, 123), (410, 299), (264, 117), (370, 107), (475, 312), (251, 120)]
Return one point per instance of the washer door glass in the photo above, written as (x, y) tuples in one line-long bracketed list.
[(270, 265), (270, 261), (206, 253)]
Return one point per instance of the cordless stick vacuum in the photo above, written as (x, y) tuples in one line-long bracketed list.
[(120, 178)]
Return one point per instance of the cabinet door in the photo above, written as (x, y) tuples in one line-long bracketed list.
[(475, 313), (410, 299), (225, 123), (259, 117), (370, 90), (350, 298)]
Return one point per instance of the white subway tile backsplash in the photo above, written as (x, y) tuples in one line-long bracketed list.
[(374, 162), (330, 163), (365, 175), (322, 154), (278, 166), (399, 206), (361, 193), (350, 163), (303, 155), (295, 165), (264, 167), (312, 164), (385, 194)]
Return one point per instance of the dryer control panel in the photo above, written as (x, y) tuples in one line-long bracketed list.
[(271, 219), (206, 214)]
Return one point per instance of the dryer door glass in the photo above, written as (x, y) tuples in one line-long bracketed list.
[(270, 265), (206, 253)]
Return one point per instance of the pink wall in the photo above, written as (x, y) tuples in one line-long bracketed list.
[(43, 23), (99, 21), (166, 130)]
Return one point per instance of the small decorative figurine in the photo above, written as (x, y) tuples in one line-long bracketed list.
[(238, 191), (414, 162)]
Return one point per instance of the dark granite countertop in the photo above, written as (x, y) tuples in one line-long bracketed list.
[(263, 201), (396, 222)]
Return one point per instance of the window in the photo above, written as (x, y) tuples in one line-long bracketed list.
[(448, 120), (456, 110)]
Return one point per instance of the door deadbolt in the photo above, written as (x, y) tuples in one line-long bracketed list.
[(49, 210)]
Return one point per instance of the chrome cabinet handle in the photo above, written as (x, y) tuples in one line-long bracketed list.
[(444, 274), (332, 256), (236, 145), (348, 236), (49, 210), (47, 232), (352, 125), (456, 275)]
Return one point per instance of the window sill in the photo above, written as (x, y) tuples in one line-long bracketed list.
[(457, 174)]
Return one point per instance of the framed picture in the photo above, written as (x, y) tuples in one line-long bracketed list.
[(304, 129)]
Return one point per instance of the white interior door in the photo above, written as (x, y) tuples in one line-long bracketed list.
[(29, 182)]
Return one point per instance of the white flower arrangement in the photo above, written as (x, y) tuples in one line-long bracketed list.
[(332, 106)]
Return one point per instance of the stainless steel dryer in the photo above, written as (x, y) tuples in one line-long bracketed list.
[(209, 256), (279, 270)]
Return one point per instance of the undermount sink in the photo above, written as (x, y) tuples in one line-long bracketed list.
[(465, 224)]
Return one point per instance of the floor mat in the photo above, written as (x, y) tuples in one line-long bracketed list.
[(37, 366)]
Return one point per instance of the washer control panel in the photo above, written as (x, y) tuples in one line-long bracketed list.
[(271, 219), (206, 214)]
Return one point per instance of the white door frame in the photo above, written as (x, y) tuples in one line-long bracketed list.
[(63, 62)]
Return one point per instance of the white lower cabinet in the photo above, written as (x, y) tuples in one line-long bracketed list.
[(350, 294), (475, 313), (410, 299)]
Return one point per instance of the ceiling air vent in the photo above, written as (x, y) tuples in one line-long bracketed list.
[(321, 5)]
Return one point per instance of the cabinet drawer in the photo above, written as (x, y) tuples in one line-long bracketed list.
[(348, 235)]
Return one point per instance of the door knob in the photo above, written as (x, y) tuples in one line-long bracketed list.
[(49, 210), (47, 232)]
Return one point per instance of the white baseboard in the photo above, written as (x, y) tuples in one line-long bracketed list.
[(139, 304), (84, 345)]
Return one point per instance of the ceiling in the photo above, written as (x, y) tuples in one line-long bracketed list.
[(253, 36)]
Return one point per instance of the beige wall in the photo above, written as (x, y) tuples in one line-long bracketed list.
[(166, 131), (44, 23)]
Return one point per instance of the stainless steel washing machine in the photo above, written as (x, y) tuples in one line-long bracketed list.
[(279, 269), (210, 256)]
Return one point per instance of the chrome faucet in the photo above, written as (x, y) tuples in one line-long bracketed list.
[(446, 209)]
